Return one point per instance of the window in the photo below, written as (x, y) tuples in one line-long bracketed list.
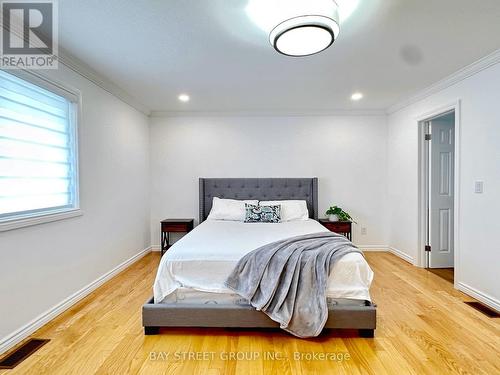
[(38, 154)]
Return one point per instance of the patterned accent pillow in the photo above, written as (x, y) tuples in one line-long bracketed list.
[(262, 214)]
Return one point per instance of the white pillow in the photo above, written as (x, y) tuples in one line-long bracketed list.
[(229, 209), (290, 209)]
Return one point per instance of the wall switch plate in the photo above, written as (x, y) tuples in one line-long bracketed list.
[(478, 187), (363, 230)]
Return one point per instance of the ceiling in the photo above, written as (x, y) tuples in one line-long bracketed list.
[(212, 50)]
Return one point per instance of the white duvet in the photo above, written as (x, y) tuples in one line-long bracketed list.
[(204, 258)]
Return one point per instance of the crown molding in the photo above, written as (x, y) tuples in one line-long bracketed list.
[(260, 113), (79, 67), (89, 73), (464, 73)]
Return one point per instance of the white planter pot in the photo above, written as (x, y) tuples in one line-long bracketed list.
[(333, 218)]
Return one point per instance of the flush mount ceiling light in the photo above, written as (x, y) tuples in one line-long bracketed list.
[(304, 35), (307, 34)]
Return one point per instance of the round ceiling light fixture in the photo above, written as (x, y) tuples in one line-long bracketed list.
[(305, 35)]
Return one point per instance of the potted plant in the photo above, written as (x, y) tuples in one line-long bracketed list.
[(336, 213)]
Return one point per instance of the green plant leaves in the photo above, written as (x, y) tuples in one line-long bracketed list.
[(342, 215)]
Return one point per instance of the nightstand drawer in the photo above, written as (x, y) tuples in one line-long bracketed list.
[(177, 227), (338, 227)]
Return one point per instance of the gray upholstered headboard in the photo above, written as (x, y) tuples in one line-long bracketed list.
[(259, 188)]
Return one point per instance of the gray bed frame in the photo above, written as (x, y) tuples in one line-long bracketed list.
[(156, 316)]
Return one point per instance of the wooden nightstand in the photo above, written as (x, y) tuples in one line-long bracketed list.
[(341, 227), (173, 225)]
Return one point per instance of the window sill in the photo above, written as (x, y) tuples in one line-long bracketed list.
[(39, 219)]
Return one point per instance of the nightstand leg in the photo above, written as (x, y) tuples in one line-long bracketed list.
[(165, 242), (162, 243)]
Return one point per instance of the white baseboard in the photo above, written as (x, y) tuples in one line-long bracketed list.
[(402, 255), (380, 248), (480, 296), (155, 248), (14, 338)]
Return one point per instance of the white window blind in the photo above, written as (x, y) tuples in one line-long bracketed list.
[(38, 173)]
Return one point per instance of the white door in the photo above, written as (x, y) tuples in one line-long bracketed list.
[(441, 194)]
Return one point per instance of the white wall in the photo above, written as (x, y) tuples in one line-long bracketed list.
[(347, 154), (44, 264), (479, 160)]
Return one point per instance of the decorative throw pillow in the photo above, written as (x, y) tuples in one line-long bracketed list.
[(229, 209), (262, 214), (290, 209)]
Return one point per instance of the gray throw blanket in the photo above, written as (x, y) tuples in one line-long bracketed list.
[(287, 279)]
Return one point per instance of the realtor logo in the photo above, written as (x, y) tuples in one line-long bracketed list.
[(29, 34)]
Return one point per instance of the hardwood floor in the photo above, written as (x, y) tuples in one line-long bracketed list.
[(445, 273), (423, 328)]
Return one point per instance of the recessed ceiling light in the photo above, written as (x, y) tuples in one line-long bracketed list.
[(184, 98), (357, 96)]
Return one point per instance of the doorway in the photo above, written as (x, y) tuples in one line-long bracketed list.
[(438, 192)]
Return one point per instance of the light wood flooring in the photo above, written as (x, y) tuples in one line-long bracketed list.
[(424, 327), (445, 273)]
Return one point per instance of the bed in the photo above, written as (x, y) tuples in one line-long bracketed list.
[(189, 289)]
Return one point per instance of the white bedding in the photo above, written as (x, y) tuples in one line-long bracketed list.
[(203, 259)]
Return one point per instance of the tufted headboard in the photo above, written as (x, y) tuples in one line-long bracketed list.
[(263, 189)]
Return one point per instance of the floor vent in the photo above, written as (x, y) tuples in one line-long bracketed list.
[(14, 358), (484, 309)]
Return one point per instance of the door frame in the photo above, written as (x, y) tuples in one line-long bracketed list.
[(422, 181)]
